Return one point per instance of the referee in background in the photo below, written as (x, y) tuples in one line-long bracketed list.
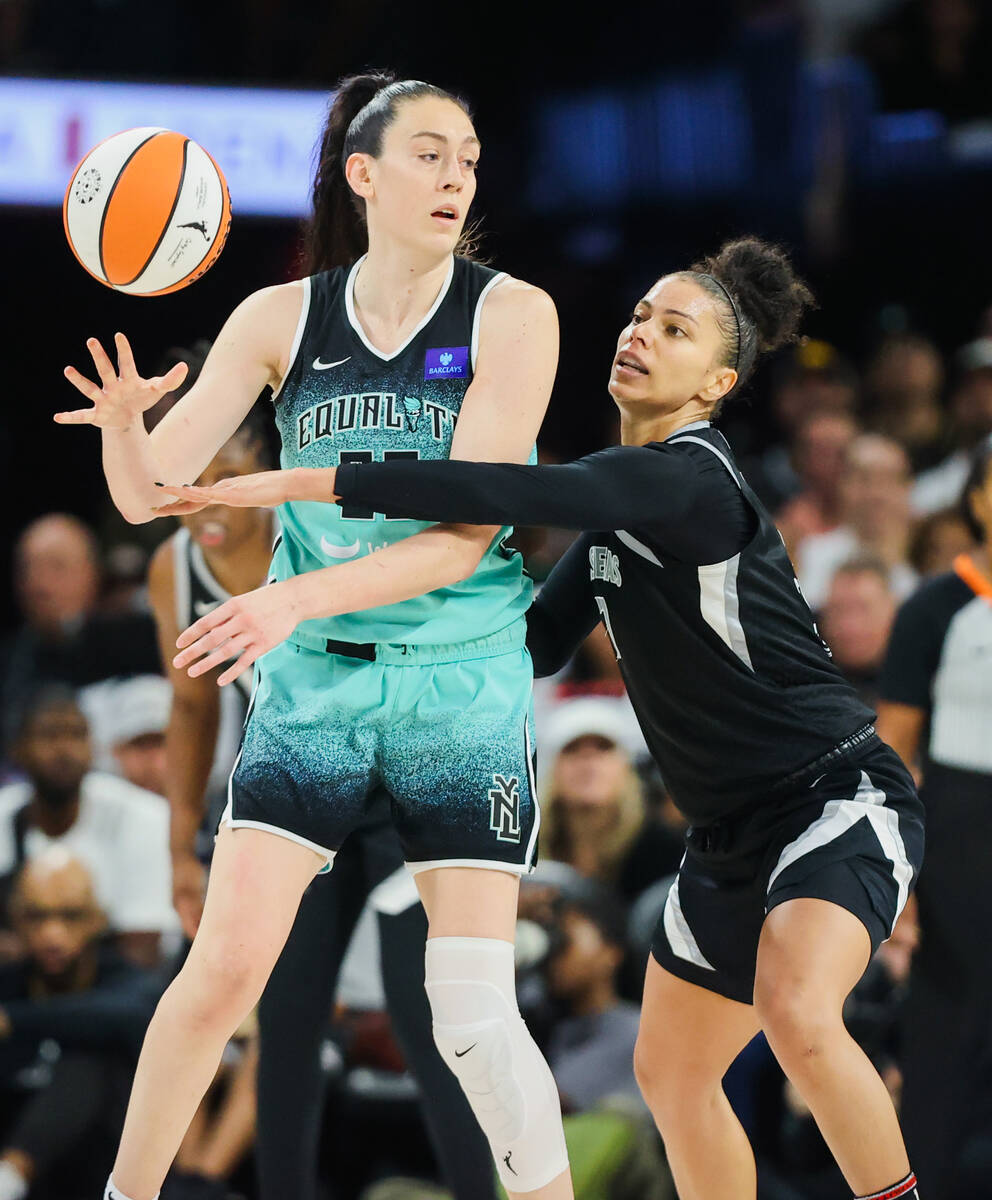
[(937, 710)]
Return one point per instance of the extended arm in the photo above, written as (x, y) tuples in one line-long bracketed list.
[(250, 352)]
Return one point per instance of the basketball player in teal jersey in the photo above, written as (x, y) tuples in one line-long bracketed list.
[(425, 688)]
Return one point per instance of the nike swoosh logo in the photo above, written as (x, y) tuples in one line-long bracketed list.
[(319, 366), (462, 1053), (333, 551)]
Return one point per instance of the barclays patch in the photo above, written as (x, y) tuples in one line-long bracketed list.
[(448, 362)]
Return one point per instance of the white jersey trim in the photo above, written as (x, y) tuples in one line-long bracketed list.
[(301, 325), (638, 547), (181, 582), (680, 936), (349, 305), (477, 318), (719, 604), (838, 816), (713, 450), (484, 864)]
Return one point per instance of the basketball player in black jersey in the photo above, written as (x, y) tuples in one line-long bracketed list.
[(806, 832), (431, 336), (222, 552)]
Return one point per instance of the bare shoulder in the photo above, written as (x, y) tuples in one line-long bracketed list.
[(514, 298)]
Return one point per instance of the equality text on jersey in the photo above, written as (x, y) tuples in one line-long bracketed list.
[(373, 410)]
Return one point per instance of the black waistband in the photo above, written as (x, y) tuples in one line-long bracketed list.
[(364, 650), (859, 740)]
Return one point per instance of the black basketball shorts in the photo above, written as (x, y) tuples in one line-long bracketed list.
[(853, 837)]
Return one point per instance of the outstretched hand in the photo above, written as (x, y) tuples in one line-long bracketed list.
[(265, 489), (124, 394), (243, 628)]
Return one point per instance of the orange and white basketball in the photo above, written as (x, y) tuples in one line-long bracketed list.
[(147, 211)]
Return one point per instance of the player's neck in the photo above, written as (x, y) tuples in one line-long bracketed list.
[(395, 289), (640, 428), (242, 568)]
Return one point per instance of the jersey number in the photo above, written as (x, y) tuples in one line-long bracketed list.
[(604, 612), (350, 513)]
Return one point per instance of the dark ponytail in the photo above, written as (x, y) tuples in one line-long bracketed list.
[(761, 300), (336, 232)]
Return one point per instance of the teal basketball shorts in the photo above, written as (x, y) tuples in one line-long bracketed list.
[(444, 730)]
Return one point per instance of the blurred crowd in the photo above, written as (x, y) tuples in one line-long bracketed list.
[(866, 470)]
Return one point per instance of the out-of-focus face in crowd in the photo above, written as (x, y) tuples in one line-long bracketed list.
[(876, 487), (589, 773), (57, 917), (820, 450), (857, 618), (54, 749), (219, 528), (905, 380), (971, 403), (816, 381), (57, 574), (586, 964)]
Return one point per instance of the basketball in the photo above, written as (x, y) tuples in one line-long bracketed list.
[(147, 211)]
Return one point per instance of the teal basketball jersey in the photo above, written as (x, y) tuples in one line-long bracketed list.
[(342, 401)]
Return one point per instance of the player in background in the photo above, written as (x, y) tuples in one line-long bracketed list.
[(221, 552), (806, 833), (429, 697)]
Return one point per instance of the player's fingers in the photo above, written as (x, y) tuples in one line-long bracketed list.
[(125, 358), (208, 621), (104, 367), (224, 653), (171, 379), (205, 644), (81, 416), (82, 384), (187, 491), (181, 508), (235, 670)]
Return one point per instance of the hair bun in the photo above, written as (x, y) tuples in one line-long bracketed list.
[(764, 283)]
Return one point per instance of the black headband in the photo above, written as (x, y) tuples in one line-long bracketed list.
[(737, 316)]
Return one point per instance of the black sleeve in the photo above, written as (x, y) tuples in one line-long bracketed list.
[(915, 646), (564, 612), (663, 491)]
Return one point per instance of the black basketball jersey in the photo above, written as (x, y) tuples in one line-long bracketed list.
[(198, 592), (735, 690), (733, 685)]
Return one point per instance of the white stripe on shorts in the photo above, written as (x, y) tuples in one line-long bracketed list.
[(838, 816), (680, 936)]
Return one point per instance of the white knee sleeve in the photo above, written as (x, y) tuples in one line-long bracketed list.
[(483, 1039)]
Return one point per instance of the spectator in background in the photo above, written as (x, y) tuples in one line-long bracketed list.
[(877, 520), (937, 541), (63, 638), (818, 455), (72, 1016), (971, 421), (120, 831), (128, 719), (591, 1049), (933, 54), (904, 382), (813, 378), (937, 705), (856, 622), (594, 808)]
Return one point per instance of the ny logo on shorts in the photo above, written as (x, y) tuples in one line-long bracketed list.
[(504, 819)]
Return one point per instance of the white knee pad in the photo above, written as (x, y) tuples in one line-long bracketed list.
[(483, 1039)]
